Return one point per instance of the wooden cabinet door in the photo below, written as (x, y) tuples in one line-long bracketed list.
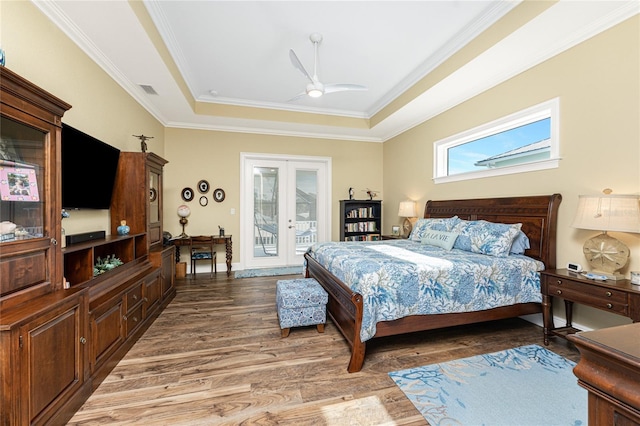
[(52, 360), (152, 293), (168, 270), (107, 331)]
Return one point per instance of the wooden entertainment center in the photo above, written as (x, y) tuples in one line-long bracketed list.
[(56, 343)]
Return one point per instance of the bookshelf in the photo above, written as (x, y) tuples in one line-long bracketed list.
[(360, 220)]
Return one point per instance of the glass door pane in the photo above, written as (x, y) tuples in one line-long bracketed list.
[(306, 214), (154, 199), (266, 211), (22, 184)]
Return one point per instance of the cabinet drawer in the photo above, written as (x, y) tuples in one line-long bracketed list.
[(598, 297), (134, 296), (133, 319)]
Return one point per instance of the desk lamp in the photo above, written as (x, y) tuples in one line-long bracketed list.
[(407, 210), (183, 212)]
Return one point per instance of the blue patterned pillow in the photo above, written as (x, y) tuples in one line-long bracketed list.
[(480, 236), (422, 226)]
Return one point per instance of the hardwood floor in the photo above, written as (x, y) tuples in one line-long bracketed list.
[(215, 357)]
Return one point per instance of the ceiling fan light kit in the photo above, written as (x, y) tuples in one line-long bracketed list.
[(315, 88)]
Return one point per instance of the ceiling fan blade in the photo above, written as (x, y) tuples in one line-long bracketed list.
[(296, 63), (332, 88), (298, 96)]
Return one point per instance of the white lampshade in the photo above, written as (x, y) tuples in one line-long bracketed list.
[(407, 209), (619, 213)]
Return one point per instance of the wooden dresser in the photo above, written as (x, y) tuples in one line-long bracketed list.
[(609, 369)]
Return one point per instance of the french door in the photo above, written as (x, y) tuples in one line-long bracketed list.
[(285, 208)]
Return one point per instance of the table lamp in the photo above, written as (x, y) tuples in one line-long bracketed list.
[(183, 212), (407, 210), (618, 213)]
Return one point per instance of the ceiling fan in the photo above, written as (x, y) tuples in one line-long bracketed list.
[(315, 88)]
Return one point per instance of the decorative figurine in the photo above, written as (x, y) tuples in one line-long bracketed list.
[(351, 193), (371, 193), (143, 141), (221, 231), (123, 229)]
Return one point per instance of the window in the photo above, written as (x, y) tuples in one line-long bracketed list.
[(521, 142)]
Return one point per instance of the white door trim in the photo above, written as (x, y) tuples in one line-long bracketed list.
[(246, 199)]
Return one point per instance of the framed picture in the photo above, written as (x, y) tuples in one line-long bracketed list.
[(218, 195), (187, 194), (395, 231), (18, 184), (203, 186)]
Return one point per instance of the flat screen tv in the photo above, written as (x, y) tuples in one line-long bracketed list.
[(88, 170)]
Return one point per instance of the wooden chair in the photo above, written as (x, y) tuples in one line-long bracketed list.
[(201, 248)]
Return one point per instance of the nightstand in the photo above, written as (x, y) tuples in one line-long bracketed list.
[(619, 297)]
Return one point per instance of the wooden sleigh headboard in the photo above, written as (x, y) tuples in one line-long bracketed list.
[(538, 215)]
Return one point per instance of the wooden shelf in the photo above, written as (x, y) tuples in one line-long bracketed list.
[(79, 259)]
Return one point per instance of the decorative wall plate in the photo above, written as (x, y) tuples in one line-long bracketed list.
[(187, 194), (218, 195), (153, 194), (204, 201), (203, 186)]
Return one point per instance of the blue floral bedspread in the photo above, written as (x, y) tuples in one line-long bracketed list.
[(398, 278)]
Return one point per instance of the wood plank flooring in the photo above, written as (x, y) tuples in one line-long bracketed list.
[(215, 357)]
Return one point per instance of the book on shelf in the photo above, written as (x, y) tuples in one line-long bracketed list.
[(361, 213), (361, 227), (363, 237)]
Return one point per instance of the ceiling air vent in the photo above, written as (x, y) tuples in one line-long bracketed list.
[(149, 90)]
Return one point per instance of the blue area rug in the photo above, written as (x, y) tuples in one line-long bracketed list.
[(269, 272), (529, 385)]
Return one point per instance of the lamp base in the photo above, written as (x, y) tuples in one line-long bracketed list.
[(407, 227), (606, 255)]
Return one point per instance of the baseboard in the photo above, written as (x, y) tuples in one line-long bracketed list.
[(557, 321)]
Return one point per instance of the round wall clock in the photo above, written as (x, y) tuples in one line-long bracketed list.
[(203, 186), (204, 201), (187, 194), (218, 195)]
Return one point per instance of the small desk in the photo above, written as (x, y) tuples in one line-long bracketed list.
[(609, 368), (225, 239)]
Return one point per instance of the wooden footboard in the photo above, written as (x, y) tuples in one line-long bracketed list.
[(538, 215), (344, 308)]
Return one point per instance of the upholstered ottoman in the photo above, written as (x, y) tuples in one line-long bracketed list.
[(301, 302)]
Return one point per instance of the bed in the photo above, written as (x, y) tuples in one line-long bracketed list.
[(347, 309)]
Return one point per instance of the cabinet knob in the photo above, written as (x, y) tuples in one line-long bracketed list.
[(609, 294), (135, 297), (124, 317), (559, 282), (54, 241), (145, 300), (559, 291), (609, 305), (135, 319), (83, 340)]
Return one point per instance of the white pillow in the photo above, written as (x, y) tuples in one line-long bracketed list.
[(442, 239), (437, 224)]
